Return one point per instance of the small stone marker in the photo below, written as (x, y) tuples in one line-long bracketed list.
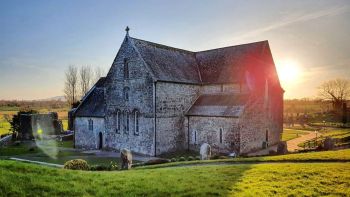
[(126, 157), (205, 151)]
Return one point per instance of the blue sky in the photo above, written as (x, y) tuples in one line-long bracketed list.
[(40, 39)]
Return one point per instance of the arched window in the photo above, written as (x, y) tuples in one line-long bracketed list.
[(91, 124), (220, 135), (195, 136), (136, 122), (126, 69), (126, 122), (126, 93), (118, 118)]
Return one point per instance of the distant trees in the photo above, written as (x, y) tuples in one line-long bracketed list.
[(85, 76), (71, 84), (79, 81), (336, 90)]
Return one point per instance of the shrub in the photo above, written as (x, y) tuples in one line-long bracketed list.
[(76, 164), (182, 159), (173, 160), (215, 157), (113, 166), (190, 158), (198, 158), (99, 168), (156, 161)]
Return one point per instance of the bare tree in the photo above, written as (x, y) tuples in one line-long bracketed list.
[(98, 73), (71, 84), (86, 79), (337, 90)]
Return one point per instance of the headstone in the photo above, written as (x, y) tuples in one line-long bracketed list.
[(282, 148), (328, 143), (205, 151), (126, 158)]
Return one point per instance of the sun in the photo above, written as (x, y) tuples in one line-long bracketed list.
[(288, 72)]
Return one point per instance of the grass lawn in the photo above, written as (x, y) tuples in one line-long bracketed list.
[(316, 179), (289, 134)]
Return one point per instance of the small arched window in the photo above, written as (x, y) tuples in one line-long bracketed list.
[(118, 118), (220, 135), (126, 93), (91, 124), (126, 69), (136, 122), (126, 122)]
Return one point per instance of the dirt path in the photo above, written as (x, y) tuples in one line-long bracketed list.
[(292, 145)]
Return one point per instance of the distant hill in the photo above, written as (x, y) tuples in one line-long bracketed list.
[(55, 98)]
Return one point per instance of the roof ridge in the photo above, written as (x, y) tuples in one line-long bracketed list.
[(251, 43), (162, 45)]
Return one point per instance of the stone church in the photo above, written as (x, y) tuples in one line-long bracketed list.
[(157, 99)]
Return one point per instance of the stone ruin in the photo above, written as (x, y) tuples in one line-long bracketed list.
[(32, 125), (205, 151), (126, 159)]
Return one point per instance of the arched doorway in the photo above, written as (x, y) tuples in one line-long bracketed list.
[(100, 144)]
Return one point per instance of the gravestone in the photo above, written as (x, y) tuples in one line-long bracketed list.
[(282, 148), (126, 158), (328, 143), (205, 151)]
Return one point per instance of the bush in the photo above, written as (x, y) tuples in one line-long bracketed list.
[(182, 159), (198, 158), (156, 161), (99, 168), (190, 158), (173, 160), (76, 164), (215, 157)]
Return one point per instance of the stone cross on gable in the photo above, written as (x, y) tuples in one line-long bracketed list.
[(127, 30)]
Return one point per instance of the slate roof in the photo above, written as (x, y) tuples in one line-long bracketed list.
[(222, 65), (93, 104), (221, 105), (168, 63)]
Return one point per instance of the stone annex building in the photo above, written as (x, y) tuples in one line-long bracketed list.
[(158, 99)]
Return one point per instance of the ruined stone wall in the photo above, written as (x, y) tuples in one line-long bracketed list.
[(139, 87), (89, 139), (172, 101), (207, 130)]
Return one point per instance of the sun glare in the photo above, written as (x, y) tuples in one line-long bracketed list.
[(288, 72)]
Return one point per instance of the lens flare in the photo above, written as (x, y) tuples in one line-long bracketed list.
[(44, 141)]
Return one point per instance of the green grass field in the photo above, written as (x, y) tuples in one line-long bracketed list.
[(314, 179), (289, 134)]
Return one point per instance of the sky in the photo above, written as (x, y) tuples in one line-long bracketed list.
[(39, 39)]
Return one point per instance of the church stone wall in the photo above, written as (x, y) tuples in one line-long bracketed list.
[(172, 101), (223, 88), (221, 133), (261, 123), (85, 138), (139, 87)]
